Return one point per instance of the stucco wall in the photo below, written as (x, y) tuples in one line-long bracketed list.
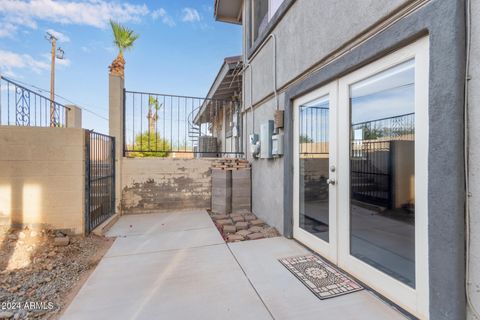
[(267, 175), (153, 184), (42, 177), (305, 36), (474, 159)]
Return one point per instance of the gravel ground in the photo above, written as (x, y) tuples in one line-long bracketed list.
[(41, 271)]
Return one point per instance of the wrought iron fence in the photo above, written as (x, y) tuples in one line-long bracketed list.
[(21, 106), (162, 125), (314, 130), (371, 173), (371, 162), (400, 127), (99, 178)]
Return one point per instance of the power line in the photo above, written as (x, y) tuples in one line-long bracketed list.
[(61, 97)]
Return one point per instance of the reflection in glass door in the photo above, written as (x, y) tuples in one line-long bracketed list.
[(315, 191), (360, 195), (314, 147), (382, 171)]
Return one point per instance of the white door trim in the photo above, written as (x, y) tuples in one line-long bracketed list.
[(415, 300), (327, 249)]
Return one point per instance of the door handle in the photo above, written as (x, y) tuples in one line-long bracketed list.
[(331, 181)]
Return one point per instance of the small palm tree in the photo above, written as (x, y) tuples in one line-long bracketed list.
[(152, 115), (124, 38)]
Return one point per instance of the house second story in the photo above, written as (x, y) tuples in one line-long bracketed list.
[(284, 40)]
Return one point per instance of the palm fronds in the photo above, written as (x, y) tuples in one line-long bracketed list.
[(123, 37)]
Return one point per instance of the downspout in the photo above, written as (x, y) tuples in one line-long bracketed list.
[(468, 284)]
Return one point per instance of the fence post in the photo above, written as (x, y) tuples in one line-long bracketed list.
[(116, 129), (74, 117)]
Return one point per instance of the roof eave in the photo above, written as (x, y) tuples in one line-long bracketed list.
[(233, 16), (229, 64)]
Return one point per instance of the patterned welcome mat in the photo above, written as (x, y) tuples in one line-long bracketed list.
[(321, 278)]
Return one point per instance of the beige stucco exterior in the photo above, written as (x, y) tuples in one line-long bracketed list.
[(42, 177)]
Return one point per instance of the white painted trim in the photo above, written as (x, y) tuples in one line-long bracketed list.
[(416, 300), (327, 249)]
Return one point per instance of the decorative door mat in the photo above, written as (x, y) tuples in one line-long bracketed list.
[(321, 278)]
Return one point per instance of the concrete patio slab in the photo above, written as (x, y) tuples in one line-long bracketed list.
[(287, 298), (165, 241), (178, 284), (153, 223), (176, 266)]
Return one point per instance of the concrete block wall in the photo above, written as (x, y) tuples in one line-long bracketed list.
[(156, 184), (42, 177)]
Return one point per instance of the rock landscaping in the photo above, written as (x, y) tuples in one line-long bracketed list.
[(41, 271), (242, 226)]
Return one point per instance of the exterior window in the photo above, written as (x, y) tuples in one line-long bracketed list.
[(260, 17), (273, 7), (262, 12)]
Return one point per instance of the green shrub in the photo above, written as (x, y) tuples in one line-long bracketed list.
[(152, 145)]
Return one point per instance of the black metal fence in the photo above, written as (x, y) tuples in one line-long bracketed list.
[(314, 129), (400, 127), (99, 178), (371, 161), (20, 106), (160, 125), (371, 173)]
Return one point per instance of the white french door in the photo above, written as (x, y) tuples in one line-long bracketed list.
[(315, 196), (360, 175)]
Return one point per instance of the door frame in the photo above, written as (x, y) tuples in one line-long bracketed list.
[(414, 300), (327, 249), (337, 250)]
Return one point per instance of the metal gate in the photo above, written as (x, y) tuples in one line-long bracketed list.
[(99, 179)]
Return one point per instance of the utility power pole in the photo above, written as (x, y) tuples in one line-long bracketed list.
[(56, 54)]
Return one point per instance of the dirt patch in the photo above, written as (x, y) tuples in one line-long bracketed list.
[(41, 271), (242, 226)]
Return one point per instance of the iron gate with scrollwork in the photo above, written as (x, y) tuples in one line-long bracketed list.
[(99, 179)]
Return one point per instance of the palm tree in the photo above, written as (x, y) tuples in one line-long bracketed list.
[(124, 39), (152, 115)]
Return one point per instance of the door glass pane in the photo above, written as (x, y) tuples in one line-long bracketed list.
[(382, 171), (314, 157)]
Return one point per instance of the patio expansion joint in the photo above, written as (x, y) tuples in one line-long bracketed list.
[(160, 251), (133, 235), (250, 282)]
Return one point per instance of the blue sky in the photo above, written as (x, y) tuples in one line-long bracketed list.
[(180, 48)]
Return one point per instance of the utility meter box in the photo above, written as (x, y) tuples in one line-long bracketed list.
[(254, 145), (266, 133), (277, 145)]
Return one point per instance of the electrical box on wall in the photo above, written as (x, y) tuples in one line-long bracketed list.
[(278, 119), (277, 145), (266, 133), (254, 145)]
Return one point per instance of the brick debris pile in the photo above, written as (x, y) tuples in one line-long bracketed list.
[(242, 226)]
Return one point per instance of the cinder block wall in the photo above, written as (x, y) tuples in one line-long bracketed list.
[(155, 184), (42, 177)]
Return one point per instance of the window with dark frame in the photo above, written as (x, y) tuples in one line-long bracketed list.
[(259, 17)]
